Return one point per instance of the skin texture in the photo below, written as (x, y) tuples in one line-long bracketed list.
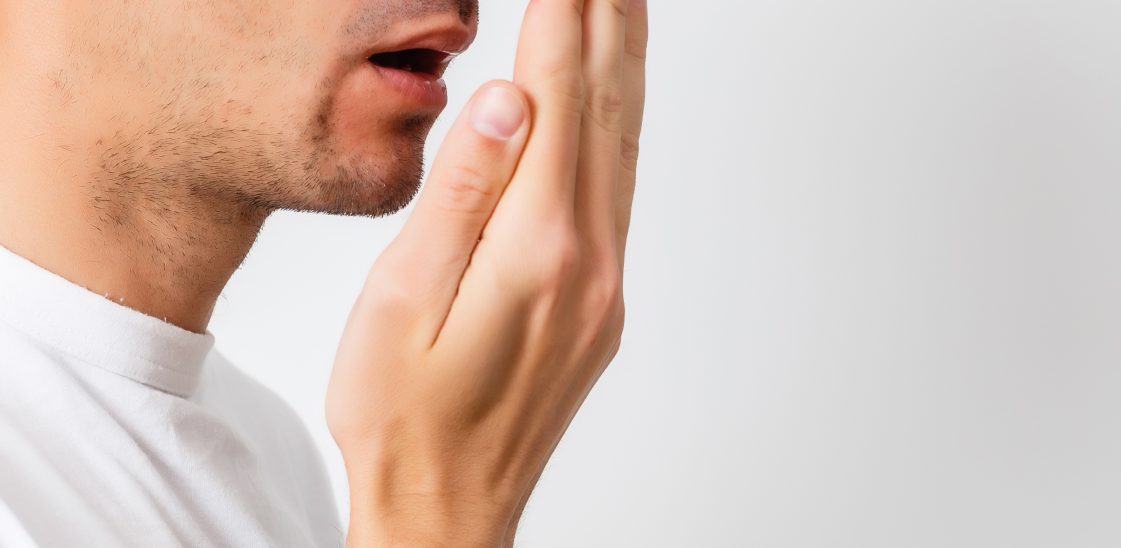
[(146, 143)]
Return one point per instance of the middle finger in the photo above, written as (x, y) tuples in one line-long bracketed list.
[(548, 70), (605, 23)]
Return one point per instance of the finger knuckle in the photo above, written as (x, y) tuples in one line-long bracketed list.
[(562, 87), (386, 292), (467, 190), (558, 264), (613, 329), (635, 45), (612, 336), (609, 319), (619, 7), (570, 93), (564, 262), (605, 294), (576, 6), (604, 103), (616, 345), (620, 320), (628, 151)]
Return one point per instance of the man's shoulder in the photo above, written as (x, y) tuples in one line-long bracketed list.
[(228, 390), (273, 426), (33, 493), (14, 344), (259, 411), (33, 374)]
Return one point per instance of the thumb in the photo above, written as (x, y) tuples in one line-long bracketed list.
[(468, 177)]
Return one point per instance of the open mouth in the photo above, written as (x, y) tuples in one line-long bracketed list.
[(421, 62)]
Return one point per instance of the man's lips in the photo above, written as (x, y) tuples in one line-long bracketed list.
[(426, 62), (415, 63), (452, 37)]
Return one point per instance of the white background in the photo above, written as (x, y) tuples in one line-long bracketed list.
[(874, 285)]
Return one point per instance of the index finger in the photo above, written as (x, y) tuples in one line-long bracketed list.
[(549, 70)]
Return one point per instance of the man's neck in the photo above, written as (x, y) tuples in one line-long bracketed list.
[(169, 259), (93, 214)]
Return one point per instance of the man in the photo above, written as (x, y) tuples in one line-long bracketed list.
[(143, 146)]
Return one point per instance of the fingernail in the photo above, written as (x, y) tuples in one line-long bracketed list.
[(498, 113)]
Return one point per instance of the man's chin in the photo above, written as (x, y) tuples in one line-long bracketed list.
[(367, 194), (380, 174), (365, 189)]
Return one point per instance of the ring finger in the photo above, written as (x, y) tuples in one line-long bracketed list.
[(605, 27)]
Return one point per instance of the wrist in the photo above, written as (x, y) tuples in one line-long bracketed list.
[(424, 526), (384, 516)]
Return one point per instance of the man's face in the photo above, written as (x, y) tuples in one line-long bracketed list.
[(268, 103)]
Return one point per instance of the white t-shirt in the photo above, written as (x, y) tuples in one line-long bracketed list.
[(119, 429)]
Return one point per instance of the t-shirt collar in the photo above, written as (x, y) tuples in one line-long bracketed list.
[(98, 331)]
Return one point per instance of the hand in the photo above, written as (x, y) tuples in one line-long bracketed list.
[(484, 325)]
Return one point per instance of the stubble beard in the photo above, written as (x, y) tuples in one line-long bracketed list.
[(236, 174), (332, 181)]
